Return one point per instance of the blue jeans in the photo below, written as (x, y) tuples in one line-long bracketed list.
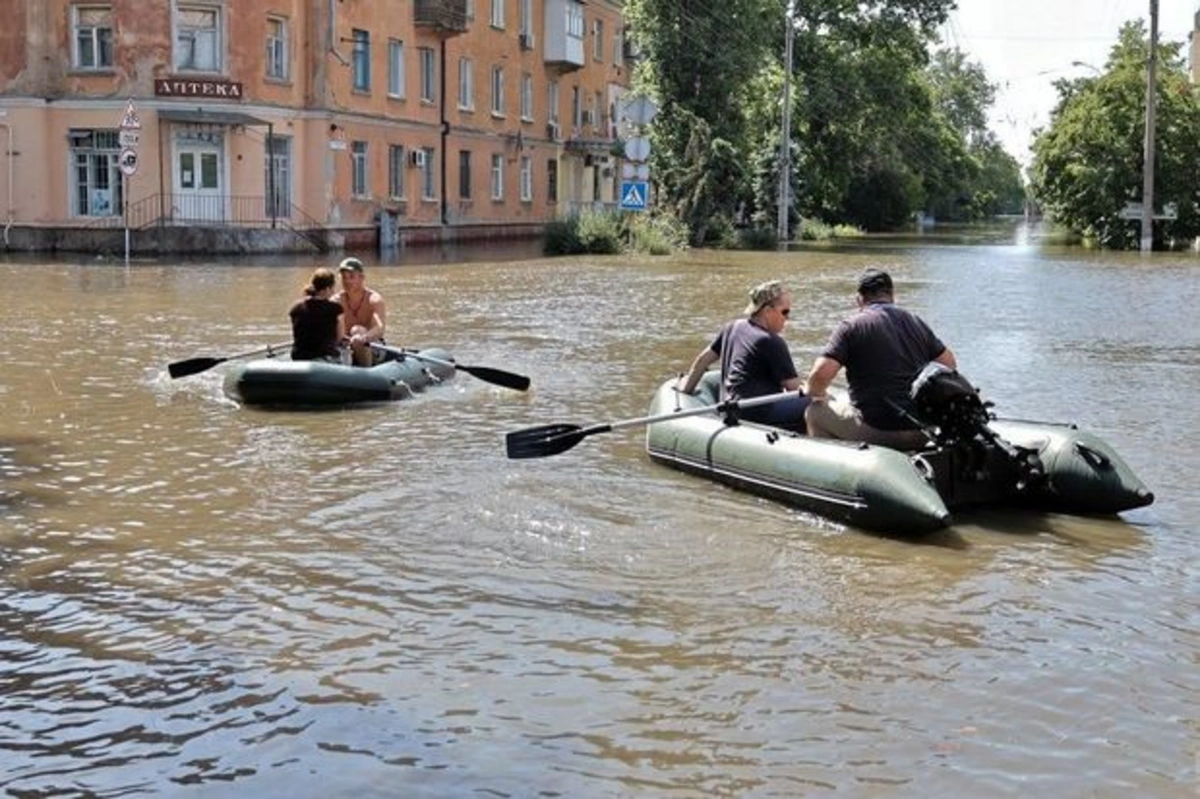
[(787, 413)]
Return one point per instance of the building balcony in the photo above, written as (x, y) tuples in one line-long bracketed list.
[(446, 17)]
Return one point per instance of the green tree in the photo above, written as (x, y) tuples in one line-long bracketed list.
[(1088, 163)]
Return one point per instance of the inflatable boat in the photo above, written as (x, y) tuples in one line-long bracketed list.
[(311, 384), (972, 460)]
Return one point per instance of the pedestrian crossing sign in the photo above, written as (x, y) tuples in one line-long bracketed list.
[(634, 194)]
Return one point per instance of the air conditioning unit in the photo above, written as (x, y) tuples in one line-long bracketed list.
[(417, 158), (552, 131), (527, 41)]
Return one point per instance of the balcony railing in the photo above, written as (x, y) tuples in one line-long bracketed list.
[(444, 16)]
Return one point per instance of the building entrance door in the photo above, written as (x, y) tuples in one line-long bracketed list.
[(198, 194)]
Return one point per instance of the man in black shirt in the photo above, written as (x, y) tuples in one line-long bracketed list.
[(882, 347)]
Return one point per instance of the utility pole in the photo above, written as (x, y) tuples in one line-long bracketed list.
[(785, 137), (1148, 156)]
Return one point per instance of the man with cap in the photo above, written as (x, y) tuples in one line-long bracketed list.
[(365, 311), (755, 360), (882, 347)]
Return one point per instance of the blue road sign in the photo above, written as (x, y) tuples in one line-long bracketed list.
[(634, 194)]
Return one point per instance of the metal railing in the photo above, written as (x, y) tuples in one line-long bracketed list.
[(221, 210)]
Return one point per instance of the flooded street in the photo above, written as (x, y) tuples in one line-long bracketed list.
[(203, 600)]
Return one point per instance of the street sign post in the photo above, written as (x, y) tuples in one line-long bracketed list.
[(127, 161), (634, 194)]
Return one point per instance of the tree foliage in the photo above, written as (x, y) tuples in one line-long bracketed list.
[(1088, 163), (879, 129)]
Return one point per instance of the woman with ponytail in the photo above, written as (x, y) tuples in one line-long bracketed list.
[(317, 326)]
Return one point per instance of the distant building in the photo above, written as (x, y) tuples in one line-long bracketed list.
[(290, 124)]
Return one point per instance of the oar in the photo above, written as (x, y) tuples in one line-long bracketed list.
[(551, 439), (194, 366), (485, 373)]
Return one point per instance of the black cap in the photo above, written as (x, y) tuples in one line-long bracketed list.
[(874, 281), (350, 265)]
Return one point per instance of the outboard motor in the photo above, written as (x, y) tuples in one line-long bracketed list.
[(950, 409)]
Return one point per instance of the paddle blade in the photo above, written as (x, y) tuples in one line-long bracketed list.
[(497, 376), (192, 366), (543, 441)]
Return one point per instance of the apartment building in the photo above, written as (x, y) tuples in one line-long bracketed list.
[(281, 123)]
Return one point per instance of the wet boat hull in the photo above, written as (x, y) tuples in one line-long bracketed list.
[(312, 384), (882, 489)]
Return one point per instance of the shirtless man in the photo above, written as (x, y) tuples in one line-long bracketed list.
[(366, 314)]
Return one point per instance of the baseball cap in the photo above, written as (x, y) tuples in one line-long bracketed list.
[(762, 295), (350, 265)]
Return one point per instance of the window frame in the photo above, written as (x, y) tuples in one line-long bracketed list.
[(360, 175), (525, 167), (464, 175), (98, 44), (397, 164), (466, 84), (497, 188), (497, 91), (278, 48), (179, 30), (360, 61), (428, 75), (395, 69)]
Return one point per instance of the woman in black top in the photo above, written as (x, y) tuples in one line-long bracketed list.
[(317, 327)]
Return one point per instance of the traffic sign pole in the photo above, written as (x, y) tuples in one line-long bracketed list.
[(127, 161)]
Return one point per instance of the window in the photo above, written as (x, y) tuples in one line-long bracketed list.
[(93, 37), (95, 180), (361, 59), (525, 23), (575, 21), (198, 39), (497, 177), (277, 48), (395, 68), (466, 84), (619, 47), (498, 14), (597, 104), (526, 179), (527, 97), (464, 174), (576, 107), (598, 39), (552, 101), (278, 178), (498, 91), (552, 180), (428, 186), (396, 172), (358, 169), (428, 74)]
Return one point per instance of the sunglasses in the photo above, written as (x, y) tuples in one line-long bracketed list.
[(785, 311)]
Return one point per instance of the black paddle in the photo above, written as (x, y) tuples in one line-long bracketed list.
[(551, 439), (485, 373), (194, 366)]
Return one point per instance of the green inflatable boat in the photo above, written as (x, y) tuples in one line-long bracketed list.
[(314, 384), (972, 460)]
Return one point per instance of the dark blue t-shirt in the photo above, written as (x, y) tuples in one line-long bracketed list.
[(754, 361)]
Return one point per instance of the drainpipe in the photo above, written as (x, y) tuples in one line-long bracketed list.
[(445, 135), (11, 173)]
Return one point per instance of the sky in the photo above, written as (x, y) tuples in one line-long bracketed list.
[(1025, 45)]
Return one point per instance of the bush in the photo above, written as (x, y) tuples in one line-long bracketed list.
[(657, 234), (758, 238), (847, 232), (562, 237), (813, 229), (600, 232)]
